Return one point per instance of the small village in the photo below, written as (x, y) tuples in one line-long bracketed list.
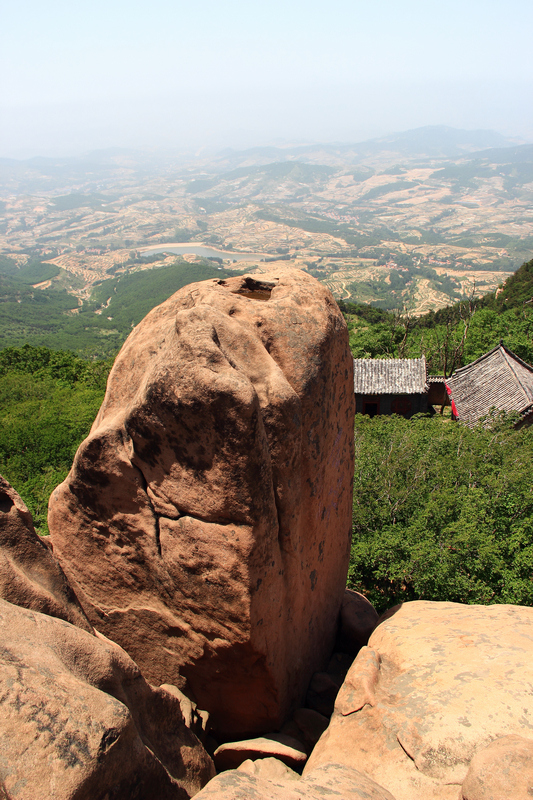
[(497, 381)]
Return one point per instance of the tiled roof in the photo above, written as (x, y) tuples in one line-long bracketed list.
[(499, 379), (390, 375)]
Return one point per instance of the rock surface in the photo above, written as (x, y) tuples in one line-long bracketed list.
[(501, 771), (329, 781), (205, 523), (321, 694), (311, 725), (30, 576), (270, 769), (77, 719), (277, 745), (437, 682), (194, 718)]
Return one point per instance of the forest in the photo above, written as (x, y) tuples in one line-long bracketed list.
[(441, 511), (53, 317)]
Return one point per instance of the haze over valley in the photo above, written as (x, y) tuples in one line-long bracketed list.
[(384, 148), (413, 221)]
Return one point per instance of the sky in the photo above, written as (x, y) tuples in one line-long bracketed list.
[(208, 74)]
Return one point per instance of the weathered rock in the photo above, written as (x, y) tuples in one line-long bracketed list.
[(436, 682), (501, 771), (338, 666), (269, 769), (328, 781), (205, 523), (275, 745), (196, 719), (290, 728), (30, 576), (77, 719), (358, 619)]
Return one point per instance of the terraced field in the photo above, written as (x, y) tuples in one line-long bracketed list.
[(400, 228)]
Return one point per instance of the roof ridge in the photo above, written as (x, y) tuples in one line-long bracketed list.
[(390, 375), (386, 360), (516, 358), (528, 395), (480, 358)]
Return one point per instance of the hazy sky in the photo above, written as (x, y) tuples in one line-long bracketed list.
[(212, 73)]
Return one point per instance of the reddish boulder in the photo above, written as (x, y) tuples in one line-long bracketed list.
[(205, 524), (30, 576), (270, 769), (358, 619), (311, 726), (77, 719), (194, 718), (322, 691), (500, 771), (436, 682)]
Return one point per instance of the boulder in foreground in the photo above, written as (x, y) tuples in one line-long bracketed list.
[(205, 524), (77, 719), (437, 682), (331, 781), (502, 770), (276, 745)]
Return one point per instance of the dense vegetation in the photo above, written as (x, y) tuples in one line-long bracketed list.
[(48, 401), (442, 511), (96, 328)]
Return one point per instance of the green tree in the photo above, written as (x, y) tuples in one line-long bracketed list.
[(442, 511), (48, 401)]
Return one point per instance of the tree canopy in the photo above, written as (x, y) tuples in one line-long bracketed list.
[(442, 511)]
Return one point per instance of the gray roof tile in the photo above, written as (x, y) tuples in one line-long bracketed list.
[(498, 379), (390, 375)]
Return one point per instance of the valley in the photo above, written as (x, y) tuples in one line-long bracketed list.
[(412, 224)]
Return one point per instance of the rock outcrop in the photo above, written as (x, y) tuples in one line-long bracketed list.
[(77, 719), (205, 523), (437, 682), (279, 746), (30, 576)]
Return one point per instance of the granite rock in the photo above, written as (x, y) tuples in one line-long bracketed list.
[(205, 524), (437, 682)]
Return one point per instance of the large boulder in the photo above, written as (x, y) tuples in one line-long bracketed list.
[(437, 682), (30, 576), (358, 618), (205, 524), (77, 719)]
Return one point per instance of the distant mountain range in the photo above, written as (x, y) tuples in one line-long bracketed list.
[(431, 141)]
